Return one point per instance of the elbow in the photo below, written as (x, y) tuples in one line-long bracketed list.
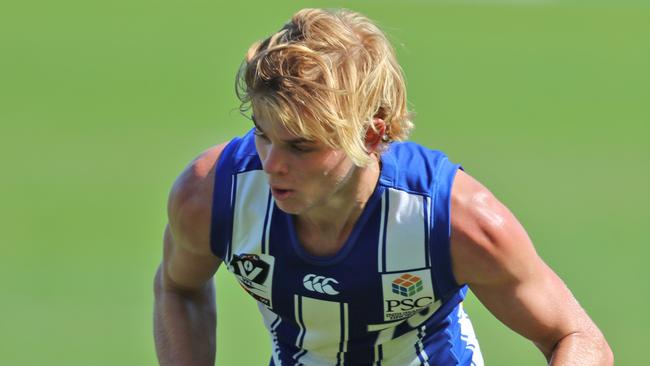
[(582, 348), (603, 355), (601, 347)]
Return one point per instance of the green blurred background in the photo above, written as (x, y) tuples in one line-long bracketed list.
[(103, 103)]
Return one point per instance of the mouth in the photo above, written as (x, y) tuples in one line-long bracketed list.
[(281, 194)]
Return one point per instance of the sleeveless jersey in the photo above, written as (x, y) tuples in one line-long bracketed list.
[(387, 297)]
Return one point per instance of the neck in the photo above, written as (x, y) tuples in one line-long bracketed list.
[(325, 229)]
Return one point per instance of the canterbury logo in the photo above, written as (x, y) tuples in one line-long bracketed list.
[(320, 284)]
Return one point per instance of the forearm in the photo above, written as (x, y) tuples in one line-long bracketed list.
[(184, 326), (582, 349)]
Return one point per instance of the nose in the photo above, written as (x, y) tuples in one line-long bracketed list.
[(275, 161)]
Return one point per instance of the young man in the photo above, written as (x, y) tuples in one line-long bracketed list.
[(358, 247)]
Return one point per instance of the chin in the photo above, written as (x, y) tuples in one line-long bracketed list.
[(289, 208)]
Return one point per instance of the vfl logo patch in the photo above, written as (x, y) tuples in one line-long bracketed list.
[(255, 274), (320, 284), (250, 268), (406, 293), (407, 285)]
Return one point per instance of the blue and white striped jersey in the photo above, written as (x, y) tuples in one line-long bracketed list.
[(388, 297)]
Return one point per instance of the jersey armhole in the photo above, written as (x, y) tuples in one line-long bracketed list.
[(221, 216), (441, 230)]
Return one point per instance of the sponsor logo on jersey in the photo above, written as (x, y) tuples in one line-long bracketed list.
[(320, 284), (406, 293), (255, 274), (250, 268), (407, 285)]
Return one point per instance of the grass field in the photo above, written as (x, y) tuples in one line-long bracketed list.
[(103, 103)]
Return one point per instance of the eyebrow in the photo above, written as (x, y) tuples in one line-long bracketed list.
[(297, 140)]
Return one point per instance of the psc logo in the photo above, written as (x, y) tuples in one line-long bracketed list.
[(406, 293), (407, 304)]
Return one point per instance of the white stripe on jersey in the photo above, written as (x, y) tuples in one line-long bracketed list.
[(419, 347), (272, 322), (405, 244), (346, 327), (297, 304), (267, 222), (297, 314), (427, 224), (467, 334), (378, 355), (400, 351), (330, 320), (233, 179), (343, 344), (250, 204)]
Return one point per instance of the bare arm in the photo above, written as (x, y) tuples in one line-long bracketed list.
[(185, 309), (493, 254)]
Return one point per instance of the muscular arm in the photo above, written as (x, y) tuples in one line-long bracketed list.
[(184, 309), (492, 253)]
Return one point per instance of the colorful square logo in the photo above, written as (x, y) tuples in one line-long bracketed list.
[(407, 285)]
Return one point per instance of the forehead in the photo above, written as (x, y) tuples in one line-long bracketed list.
[(277, 121), (277, 130)]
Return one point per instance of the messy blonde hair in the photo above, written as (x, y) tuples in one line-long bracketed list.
[(325, 76)]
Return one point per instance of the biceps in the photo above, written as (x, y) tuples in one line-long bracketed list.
[(184, 269)]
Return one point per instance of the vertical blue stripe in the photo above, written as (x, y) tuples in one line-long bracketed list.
[(266, 223), (383, 245), (233, 194), (302, 323), (340, 356), (425, 209)]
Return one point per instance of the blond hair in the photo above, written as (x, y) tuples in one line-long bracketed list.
[(326, 75)]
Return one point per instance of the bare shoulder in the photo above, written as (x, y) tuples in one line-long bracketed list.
[(493, 254), (487, 241), (474, 206), (190, 202)]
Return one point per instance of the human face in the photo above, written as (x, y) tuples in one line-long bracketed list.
[(304, 175)]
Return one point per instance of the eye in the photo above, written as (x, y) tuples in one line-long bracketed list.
[(301, 149)]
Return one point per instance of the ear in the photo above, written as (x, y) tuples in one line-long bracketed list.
[(375, 136)]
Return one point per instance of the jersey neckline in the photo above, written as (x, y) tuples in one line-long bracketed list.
[(386, 176)]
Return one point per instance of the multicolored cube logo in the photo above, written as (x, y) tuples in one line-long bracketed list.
[(407, 285)]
